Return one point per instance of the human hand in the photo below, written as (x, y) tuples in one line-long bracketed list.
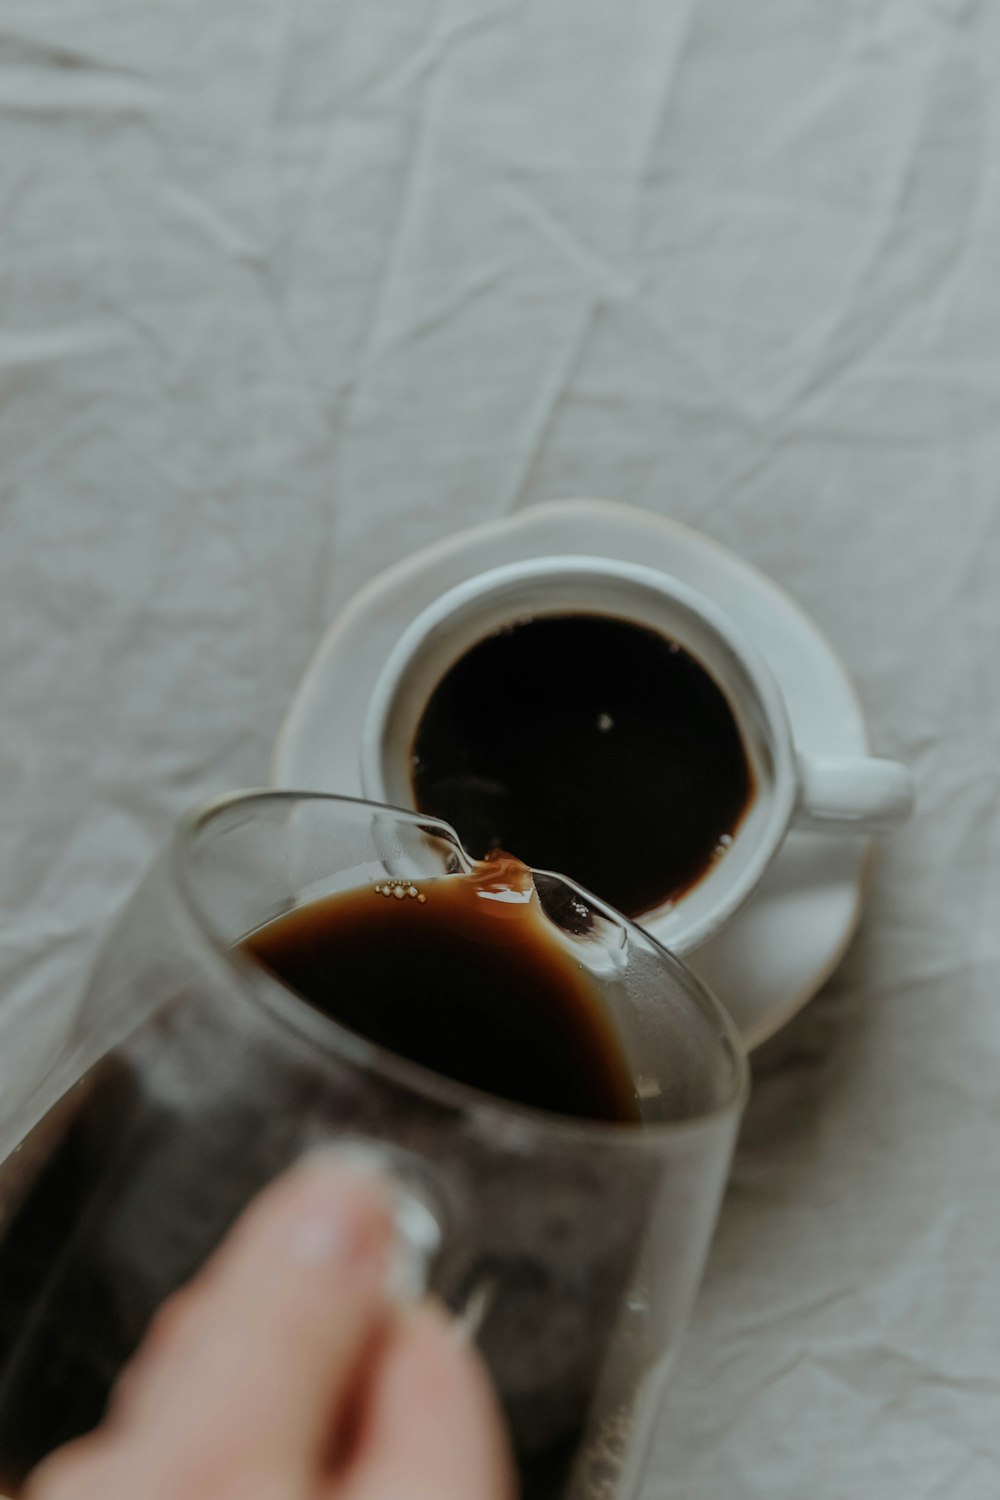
[(284, 1372)]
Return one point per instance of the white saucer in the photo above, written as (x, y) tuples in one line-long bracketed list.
[(778, 951)]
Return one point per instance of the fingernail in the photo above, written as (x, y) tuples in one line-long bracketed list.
[(340, 1217), (417, 1237)]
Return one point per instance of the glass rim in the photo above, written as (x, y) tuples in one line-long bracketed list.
[(289, 1009)]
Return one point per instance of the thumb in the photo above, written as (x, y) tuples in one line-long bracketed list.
[(248, 1369)]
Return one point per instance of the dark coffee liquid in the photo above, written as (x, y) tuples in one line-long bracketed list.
[(117, 1196), (590, 746), (62, 1322), (456, 976)]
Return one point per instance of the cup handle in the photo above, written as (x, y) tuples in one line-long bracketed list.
[(852, 794)]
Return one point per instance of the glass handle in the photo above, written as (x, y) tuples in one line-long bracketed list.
[(419, 1217), (416, 1215)]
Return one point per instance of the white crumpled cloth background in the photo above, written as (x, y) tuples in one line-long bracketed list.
[(289, 289)]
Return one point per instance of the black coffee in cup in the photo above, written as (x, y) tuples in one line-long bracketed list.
[(589, 745)]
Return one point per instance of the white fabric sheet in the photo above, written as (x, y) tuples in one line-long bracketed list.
[(290, 289)]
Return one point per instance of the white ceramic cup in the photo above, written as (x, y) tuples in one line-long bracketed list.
[(838, 794)]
